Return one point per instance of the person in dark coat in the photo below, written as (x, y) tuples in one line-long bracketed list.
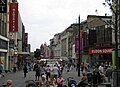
[(37, 74), (95, 79), (25, 70), (83, 82)]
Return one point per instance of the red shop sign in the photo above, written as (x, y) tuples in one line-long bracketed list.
[(100, 51)]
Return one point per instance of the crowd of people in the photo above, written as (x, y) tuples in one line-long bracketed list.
[(96, 74), (90, 75), (49, 76), (52, 77)]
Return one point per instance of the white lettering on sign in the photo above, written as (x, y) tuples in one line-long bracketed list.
[(13, 19), (107, 50), (101, 51)]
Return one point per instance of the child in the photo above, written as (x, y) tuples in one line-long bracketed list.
[(9, 83)]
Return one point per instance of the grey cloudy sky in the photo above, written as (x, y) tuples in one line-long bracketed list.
[(45, 18)]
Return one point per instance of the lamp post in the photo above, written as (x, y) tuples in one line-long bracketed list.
[(79, 58)]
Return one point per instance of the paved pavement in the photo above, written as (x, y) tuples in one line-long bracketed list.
[(71, 73), (74, 73), (19, 80)]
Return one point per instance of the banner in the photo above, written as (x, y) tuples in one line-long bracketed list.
[(13, 17), (3, 6), (77, 44)]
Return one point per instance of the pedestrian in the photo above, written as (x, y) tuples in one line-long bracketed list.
[(101, 68), (34, 67), (66, 68), (83, 81), (25, 70), (55, 71), (1, 69), (83, 67), (9, 83), (106, 65), (60, 81), (47, 72), (109, 73), (43, 81), (37, 74), (61, 68), (94, 79), (42, 70), (14, 68), (77, 67)]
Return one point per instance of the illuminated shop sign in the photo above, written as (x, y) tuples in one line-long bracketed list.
[(100, 51)]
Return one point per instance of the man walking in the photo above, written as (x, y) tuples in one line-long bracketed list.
[(55, 71), (25, 70), (1, 69)]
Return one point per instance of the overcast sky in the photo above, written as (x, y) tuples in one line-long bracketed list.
[(45, 18)]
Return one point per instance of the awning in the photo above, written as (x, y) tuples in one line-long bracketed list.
[(24, 53)]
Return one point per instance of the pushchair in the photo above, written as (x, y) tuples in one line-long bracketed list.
[(71, 82), (31, 83)]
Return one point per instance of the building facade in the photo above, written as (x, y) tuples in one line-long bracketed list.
[(4, 41)]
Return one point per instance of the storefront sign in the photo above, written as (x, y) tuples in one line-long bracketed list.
[(3, 6), (100, 51), (13, 26)]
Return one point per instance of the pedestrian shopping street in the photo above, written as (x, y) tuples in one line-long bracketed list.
[(19, 80)]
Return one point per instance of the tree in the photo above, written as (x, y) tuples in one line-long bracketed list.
[(37, 53)]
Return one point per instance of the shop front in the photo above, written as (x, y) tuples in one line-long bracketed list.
[(4, 54), (2, 58), (100, 55), (23, 58)]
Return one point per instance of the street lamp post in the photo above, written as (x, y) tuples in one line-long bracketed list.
[(79, 58)]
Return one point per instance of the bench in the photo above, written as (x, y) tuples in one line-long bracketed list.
[(106, 84), (102, 84)]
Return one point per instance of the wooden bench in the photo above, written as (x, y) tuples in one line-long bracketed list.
[(102, 84), (106, 84)]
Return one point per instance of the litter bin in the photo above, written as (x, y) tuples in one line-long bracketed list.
[(116, 78), (108, 85)]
